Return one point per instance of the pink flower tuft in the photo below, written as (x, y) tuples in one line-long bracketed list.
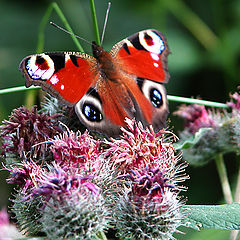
[(148, 185), (37, 181), (235, 102), (76, 150), (27, 128), (196, 117), (141, 148), (8, 231), (25, 174), (60, 183), (4, 220)]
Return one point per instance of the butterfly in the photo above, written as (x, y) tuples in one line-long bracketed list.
[(107, 87)]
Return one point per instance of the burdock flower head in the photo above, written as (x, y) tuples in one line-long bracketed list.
[(139, 148), (149, 210), (25, 174), (208, 133), (234, 103), (59, 203), (76, 150), (148, 185), (149, 207), (195, 117), (131, 183), (25, 129)]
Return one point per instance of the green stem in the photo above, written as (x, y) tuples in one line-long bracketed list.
[(42, 26), (45, 21), (223, 178), (95, 23), (170, 97), (191, 21), (16, 89), (237, 191), (65, 22), (234, 235), (196, 101)]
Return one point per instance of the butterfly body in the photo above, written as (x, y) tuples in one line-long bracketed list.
[(110, 86)]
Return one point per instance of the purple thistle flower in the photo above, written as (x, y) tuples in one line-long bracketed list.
[(55, 198), (25, 174), (234, 102), (148, 185), (60, 183), (150, 208), (72, 202), (141, 148), (38, 181), (196, 117), (208, 133), (25, 129), (76, 150)]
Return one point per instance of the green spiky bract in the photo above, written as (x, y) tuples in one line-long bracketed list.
[(75, 217), (146, 222), (27, 213)]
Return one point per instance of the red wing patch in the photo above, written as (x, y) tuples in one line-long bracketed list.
[(142, 64), (144, 55), (72, 81), (63, 75)]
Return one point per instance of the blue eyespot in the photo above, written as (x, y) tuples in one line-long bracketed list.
[(92, 113), (156, 98)]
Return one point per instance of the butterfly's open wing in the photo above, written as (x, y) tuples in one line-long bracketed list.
[(143, 57), (67, 76), (106, 89), (144, 54)]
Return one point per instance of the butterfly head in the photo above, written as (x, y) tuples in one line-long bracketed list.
[(97, 50)]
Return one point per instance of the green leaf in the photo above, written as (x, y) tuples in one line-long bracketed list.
[(191, 141), (32, 238), (226, 217)]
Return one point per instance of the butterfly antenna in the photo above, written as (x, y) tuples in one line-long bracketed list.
[(64, 30), (105, 22)]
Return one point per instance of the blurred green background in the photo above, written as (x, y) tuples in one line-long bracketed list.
[(203, 36)]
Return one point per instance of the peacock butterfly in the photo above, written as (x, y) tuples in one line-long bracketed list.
[(110, 86)]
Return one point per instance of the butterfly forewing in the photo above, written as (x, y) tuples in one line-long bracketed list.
[(144, 54), (66, 76)]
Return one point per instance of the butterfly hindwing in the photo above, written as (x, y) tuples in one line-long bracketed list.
[(156, 94), (66, 76), (101, 110)]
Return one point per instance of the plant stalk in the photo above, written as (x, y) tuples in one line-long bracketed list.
[(222, 171), (170, 97), (95, 23), (237, 190), (191, 20)]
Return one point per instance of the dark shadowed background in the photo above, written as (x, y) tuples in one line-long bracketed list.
[(203, 36)]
